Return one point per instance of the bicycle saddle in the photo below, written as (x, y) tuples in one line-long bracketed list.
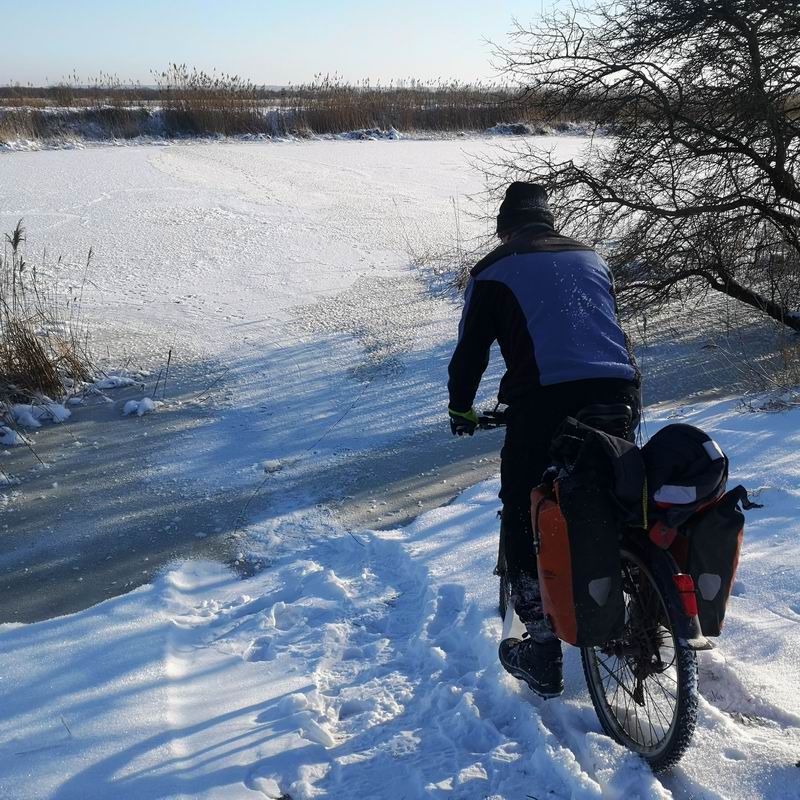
[(613, 418)]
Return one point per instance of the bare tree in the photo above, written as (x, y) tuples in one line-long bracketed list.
[(697, 187)]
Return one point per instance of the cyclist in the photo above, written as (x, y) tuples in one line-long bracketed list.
[(549, 302)]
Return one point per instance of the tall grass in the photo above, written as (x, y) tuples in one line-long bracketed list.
[(188, 102), (43, 342)]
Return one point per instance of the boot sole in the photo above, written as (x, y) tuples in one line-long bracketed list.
[(532, 685)]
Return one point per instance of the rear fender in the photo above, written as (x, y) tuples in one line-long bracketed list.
[(664, 568)]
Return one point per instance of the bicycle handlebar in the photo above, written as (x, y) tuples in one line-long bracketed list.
[(492, 419)]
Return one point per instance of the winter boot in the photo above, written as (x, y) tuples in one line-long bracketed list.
[(539, 664)]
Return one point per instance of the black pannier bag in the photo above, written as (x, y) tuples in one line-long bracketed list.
[(690, 514), (578, 521), (713, 543)]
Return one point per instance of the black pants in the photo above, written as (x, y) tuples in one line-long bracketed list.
[(523, 460)]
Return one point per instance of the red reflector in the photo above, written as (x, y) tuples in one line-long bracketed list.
[(662, 535), (685, 586)]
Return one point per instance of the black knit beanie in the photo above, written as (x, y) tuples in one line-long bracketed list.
[(524, 204)]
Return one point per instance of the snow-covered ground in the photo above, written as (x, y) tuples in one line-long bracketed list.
[(303, 414), (363, 664)]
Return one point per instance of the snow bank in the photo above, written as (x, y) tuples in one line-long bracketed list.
[(87, 138), (32, 415), (370, 134), (10, 437), (561, 128), (115, 382), (363, 664), (138, 407)]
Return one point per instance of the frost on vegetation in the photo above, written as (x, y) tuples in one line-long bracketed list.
[(515, 129), (139, 407), (773, 401), (371, 134), (560, 128)]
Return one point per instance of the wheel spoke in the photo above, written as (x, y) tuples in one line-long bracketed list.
[(646, 664), (620, 684), (658, 711)]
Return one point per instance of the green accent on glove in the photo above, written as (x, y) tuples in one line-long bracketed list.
[(468, 416), (462, 422)]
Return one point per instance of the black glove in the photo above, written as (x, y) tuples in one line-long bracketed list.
[(462, 422)]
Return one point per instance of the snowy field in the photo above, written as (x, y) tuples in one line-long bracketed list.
[(363, 664), (302, 423)]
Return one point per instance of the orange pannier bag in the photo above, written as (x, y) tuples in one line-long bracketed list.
[(577, 540)]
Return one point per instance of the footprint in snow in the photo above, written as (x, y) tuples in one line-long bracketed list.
[(449, 605), (286, 617), (266, 784), (259, 650)]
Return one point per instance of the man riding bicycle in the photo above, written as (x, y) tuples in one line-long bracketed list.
[(549, 302)]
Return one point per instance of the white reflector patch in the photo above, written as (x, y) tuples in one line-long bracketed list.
[(599, 589), (675, 494), (714, 450), (709, 585)]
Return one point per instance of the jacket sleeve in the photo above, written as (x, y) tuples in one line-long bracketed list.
[(476, 332)]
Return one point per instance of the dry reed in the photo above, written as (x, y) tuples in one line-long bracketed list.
[(191, 102), (43, 343)]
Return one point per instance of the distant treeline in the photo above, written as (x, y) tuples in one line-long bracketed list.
[(190, 102)]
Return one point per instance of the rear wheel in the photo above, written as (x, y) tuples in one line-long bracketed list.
[(644, 686)]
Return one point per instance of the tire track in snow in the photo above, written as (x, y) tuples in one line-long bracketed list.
[(406, 693)]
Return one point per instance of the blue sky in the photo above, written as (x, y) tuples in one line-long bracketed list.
[(272, 41)]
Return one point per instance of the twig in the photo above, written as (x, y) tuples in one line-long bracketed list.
[(158, 380), (356, 538), (166, 375), (212, 384)]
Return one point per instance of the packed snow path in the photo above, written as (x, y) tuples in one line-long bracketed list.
[(278, 275), (363, 664)]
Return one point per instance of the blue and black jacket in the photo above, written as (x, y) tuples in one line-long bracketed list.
[(549, 302)]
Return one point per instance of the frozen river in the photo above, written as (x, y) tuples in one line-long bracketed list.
[(302, 339), (278, 275), (305, 404)]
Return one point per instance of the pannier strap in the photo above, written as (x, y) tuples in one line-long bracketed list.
[(746, 503)]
